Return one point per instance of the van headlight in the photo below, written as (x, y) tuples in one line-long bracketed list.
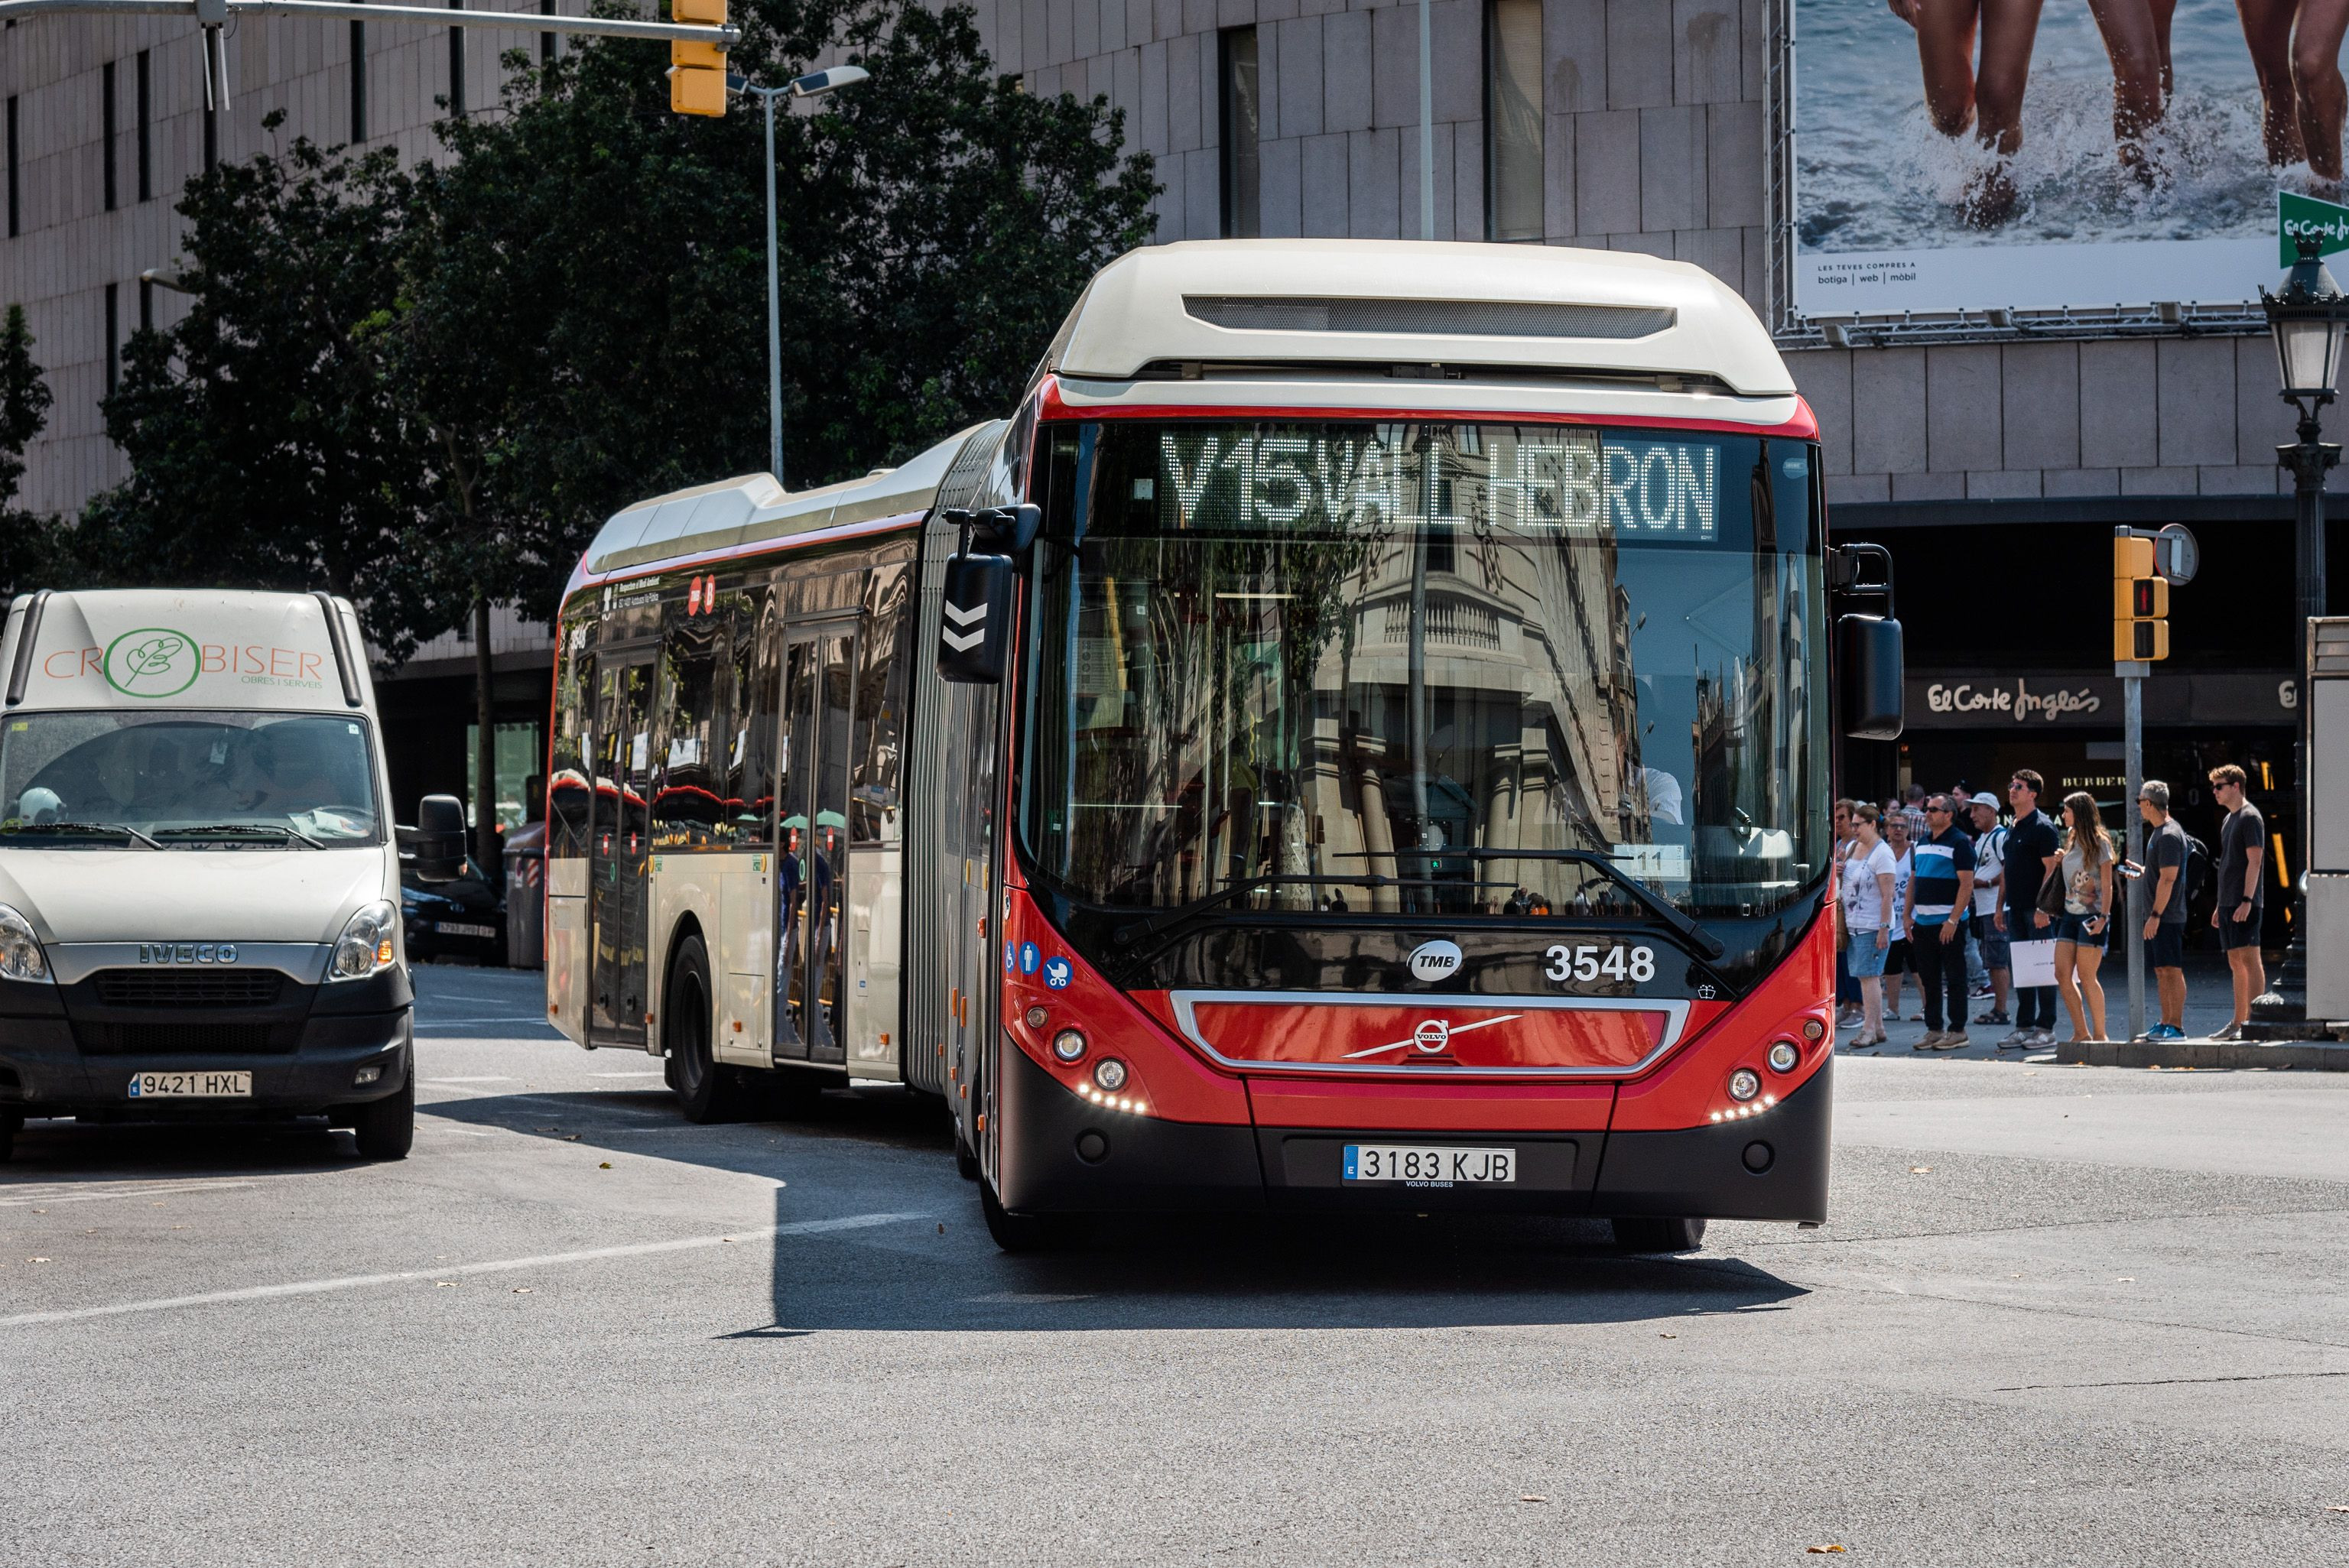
[(366, 946), (21, 957)]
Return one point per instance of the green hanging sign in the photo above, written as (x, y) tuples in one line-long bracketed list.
[(2297, 215)]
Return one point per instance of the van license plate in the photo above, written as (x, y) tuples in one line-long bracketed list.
[(457, 928), (192, 1086), (1444, 1167)]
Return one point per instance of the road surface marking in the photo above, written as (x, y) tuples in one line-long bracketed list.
[(81, 1192), (437, 1082), (502, 1265)]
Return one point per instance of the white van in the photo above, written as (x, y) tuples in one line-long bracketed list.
[(199, 884)]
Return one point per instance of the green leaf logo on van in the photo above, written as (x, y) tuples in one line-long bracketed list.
[(152, 662)]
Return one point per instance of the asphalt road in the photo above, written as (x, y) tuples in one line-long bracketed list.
[(2061, 1315)]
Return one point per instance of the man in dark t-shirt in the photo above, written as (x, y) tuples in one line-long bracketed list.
[(2242, 850), (2031, 848), (2164, 923)]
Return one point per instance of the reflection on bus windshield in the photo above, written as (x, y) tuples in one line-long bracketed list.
[(1411, 669), (158, 772)]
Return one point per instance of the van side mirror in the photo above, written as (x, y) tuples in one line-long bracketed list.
[(975, 619), (440, 836), (1871, 675)]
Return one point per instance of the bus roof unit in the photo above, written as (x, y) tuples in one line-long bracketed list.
[(1385, 303)]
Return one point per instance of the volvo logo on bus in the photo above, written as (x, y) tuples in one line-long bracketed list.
[(1436, 961), (1431, 1036)]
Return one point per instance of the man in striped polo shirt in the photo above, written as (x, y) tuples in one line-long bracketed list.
[(1940, 888)]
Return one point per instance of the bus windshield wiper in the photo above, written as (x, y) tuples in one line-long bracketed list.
[(109, 828), (1159, 924), (238, 830), (1704, 941)]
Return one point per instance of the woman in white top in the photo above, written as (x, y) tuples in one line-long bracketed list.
[(1867, 913), (2086, 869), (1899, 836)]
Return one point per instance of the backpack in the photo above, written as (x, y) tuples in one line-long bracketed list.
[(2201, 871)]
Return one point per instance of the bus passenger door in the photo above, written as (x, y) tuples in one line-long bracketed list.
[(622, 732), (811, 882)]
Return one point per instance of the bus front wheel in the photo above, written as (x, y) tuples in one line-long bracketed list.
[(1020, 1233), (706, 1089), (1650, 1235)]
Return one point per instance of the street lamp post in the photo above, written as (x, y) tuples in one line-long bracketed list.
[(2308, 320), (815, 84)]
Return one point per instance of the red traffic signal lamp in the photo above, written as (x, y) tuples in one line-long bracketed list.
[(2140, 601), (697, 71)]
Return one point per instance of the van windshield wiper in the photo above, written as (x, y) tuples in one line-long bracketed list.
[(110, 829), (239, 831)]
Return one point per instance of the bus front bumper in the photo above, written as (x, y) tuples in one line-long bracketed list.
[(1071, 1157)]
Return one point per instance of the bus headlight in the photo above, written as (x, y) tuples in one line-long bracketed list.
[(1110, 1073), (1783, 1057), (21, 957), (1744, 1084), (1069, 1045), (366, 946)]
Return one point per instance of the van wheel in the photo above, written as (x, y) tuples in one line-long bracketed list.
[(1022, 1233), (1648, 1235), (706, 1089), (386, 1127)]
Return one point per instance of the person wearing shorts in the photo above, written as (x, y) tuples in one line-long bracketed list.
[(2165, 926), (2242, 850), (1866, 885)]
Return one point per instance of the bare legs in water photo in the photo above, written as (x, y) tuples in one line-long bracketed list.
[(2137, 37), (1986, 97), (2296, 50)]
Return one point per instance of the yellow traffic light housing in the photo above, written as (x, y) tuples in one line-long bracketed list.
[(2140, 602), (697, 70)]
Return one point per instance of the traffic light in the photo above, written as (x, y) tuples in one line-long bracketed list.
[(697, 71), (2140, 602)]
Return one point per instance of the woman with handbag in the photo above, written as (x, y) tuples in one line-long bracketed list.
[(2076, 900), (1868, 910)]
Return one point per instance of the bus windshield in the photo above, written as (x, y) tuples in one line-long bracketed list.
[(1468, 669), (186, 778)]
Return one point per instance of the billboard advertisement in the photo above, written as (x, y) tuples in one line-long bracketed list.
[(1976, 154)]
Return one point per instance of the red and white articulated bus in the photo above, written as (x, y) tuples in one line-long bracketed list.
[(1357, 738)]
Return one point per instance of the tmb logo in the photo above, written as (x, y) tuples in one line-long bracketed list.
[(1436, 960)]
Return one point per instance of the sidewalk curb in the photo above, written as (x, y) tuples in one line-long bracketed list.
[(2323, 1055)]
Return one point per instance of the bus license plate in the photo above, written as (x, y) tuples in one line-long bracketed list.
[(456, 928), (1409, 1163), (191, 1086)]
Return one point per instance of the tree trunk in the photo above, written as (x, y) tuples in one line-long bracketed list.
[(485, 753)]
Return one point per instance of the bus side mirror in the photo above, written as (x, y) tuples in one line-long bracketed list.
[(975, 620), (441, 838), (1871, 673)]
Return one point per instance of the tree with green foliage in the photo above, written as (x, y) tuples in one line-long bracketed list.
[(27, 541), (266, 448)]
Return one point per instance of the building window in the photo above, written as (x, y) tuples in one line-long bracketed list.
[(113, 338), (1513, 120), (146, 131), (146, 305), (105, 129), (15, 205), (457, 64), (358, 82), (1242, 209)]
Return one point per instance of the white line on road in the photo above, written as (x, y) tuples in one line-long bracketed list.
[(654, 1072), (502, 1265), (435, 1082), (81, 1193), (490, 1019)]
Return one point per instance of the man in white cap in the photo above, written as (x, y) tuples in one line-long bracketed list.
[(1990, 865)]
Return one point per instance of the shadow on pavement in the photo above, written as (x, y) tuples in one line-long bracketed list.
[(930, 1266), (65, 1151)]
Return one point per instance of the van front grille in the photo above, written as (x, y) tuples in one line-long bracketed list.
[(188, 987), (178, 1039)]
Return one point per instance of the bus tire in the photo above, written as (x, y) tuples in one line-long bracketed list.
[(706, 1089), (1021, 1233), (1653, 1235), (965, 1160), (386, 1127)]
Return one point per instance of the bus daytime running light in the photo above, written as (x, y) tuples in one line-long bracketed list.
[(1110, 1073), (1813, 1029), (1783, 1057), (1069, 1045), (1744, 1084), (1036, 1016)]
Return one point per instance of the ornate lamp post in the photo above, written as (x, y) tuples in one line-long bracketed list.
[(2309, 320)]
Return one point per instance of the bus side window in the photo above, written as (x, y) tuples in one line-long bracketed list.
[(754, 672), (571, 788), (687, 809), (877, 750)]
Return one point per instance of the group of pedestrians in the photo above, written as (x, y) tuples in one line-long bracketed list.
[(1981, 909)]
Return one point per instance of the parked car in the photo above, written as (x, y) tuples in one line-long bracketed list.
[(447, 907)]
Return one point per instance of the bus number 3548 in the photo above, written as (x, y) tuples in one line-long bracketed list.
[(1589, 962)]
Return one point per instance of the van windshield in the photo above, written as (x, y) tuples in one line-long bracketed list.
[(186, 778)]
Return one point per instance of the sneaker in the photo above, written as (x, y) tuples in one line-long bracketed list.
[(2043, 1039), (2016, 1040), (1993, 1016), (2164, 1032), (1980, 994), (1927, 1042), (2232, 1032), (1951, 1040)]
